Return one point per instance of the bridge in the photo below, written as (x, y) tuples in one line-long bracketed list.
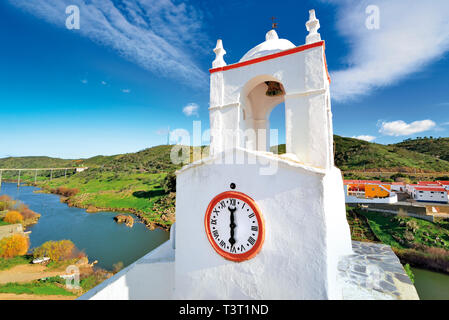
[(36, 170)]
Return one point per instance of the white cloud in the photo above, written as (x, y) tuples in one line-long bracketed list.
[(126, 90), (412, 34), (84, 81), (191, 109), (400, 128), (365, 138), (160, 36)]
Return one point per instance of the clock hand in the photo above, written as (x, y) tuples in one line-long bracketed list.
[(232, 225)]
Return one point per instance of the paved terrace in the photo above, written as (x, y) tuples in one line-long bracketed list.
[(374, 272)]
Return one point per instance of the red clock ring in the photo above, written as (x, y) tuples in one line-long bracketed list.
[(238, 257)]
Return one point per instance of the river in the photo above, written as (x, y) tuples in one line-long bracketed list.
[(97, 234), (431, 285)]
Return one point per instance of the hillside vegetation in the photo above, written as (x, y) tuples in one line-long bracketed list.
[(353, 154), (143, 182), (35, 162), (418, 155), (153, 159), (436, 147), (139, 183)]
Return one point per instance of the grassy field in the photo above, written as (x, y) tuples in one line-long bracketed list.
[(360, 228), (417, 242), (119, 191), (3, 223), (405, 232), (6, 264), (35, 287)]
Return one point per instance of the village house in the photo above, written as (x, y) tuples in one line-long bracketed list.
[(430, 194), (369, 191), (398, 187)]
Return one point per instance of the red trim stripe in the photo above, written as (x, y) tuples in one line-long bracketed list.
[(272, 56)]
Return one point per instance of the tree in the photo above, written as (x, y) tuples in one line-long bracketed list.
[(169, 183), (27, 213), (16, 245), (5, 202), (56, 250), (13, 217)]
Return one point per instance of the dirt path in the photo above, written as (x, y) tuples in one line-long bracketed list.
[(26, 273), (12, 296)]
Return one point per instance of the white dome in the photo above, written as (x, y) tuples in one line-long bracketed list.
[(272, 44)]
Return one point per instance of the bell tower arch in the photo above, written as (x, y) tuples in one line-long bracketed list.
[(258, 98), (275, 71)]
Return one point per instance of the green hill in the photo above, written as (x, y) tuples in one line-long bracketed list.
[(139, 182), (436, 147), (353, 154), (419, 155), (151, 159), (155, 159), (36, 162)]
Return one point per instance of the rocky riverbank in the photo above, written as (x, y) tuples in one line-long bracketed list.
[(162, 217), (123, 218)]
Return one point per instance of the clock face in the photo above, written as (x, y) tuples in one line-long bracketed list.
[(234, 226)]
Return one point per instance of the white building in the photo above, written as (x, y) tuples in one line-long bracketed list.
[(430, 194), (410, 188), (398, 187)]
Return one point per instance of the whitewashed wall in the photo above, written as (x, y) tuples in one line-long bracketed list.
[(308, 116), (306, 232)]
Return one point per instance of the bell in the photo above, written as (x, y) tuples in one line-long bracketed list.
[(274, 89)]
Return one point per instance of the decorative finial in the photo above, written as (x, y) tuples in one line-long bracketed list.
[(312, 26), (274, 24), (219, 53), (271, 35)]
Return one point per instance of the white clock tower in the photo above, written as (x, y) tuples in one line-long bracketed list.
[(252, 224)]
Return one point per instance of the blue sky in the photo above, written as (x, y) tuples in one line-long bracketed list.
[(116, 84)]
